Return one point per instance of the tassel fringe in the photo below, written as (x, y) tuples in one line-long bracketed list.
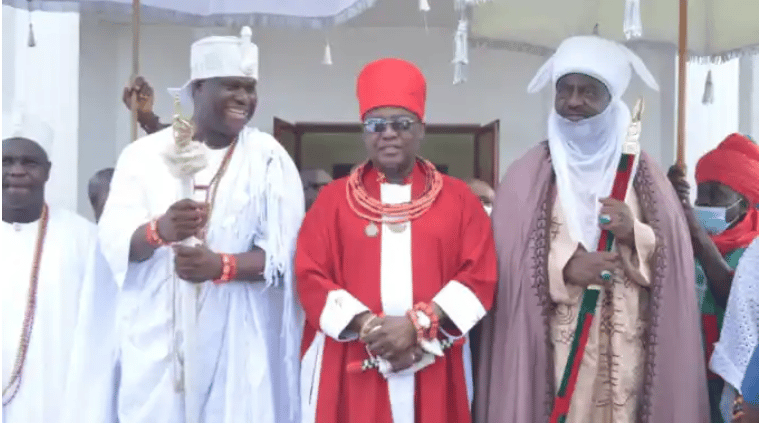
[(632, 27), (708, 96)]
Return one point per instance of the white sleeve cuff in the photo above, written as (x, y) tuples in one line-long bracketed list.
[(461, 306), (337, 314)]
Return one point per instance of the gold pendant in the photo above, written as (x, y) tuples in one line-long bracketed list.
[(397, 227), (371, 230)]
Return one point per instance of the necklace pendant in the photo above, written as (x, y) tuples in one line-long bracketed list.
[(397, 227), (371, 230)]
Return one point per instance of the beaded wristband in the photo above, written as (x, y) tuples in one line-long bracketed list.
[(412, 315), (152, 236), (229, 269), (427, 309)]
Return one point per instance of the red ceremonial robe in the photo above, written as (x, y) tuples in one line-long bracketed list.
[(447, 256)]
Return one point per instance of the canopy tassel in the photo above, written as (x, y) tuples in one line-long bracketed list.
[(708, 96), (30, 42), (632, 27), (327, 58), (425, 8), (461, 60)]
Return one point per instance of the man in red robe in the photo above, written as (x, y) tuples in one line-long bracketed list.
[(395, 264)]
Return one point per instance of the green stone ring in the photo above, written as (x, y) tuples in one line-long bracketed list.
[(605, 219), (606, 275)]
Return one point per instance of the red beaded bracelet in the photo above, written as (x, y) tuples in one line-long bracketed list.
[(152, 236), (229, 269), (427, 309), (412, 314)]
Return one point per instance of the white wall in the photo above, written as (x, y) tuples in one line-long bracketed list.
[(748, 95), (45, 78), (9, 53), (296, 87), (709, 124)]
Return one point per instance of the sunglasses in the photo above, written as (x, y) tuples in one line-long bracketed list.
[(379, 125)]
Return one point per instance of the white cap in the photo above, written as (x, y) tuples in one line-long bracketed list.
[(218, 56), (591, 55), (23, 125)]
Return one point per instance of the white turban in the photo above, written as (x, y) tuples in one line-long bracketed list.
[(585, 154), (217, 56), (605, 60), (30, 127)]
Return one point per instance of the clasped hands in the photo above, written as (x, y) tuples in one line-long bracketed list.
[(183, 219), (585, 268), (393, 338)]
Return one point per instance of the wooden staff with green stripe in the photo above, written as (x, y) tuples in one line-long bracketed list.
[(587, 310)]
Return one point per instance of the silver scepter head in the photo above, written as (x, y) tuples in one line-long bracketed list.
[(631, 143)]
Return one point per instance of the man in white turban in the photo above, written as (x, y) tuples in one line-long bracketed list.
[(49, 279), (209, 330), (550, 209)]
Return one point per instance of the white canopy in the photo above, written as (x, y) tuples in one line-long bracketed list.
[(311, 14), (717, 28)]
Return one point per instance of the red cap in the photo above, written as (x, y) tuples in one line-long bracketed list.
[(733, 163), (391, 83)]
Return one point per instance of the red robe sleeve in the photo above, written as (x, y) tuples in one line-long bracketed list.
[(328, 306), (466, 297)]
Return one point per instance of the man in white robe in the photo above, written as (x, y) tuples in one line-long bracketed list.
[(47, 257), (230, 353)]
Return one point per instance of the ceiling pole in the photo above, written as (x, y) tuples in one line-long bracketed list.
[(135, 64), (682, 56)]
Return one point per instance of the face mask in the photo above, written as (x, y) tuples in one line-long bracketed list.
[(488, 209), (713, 218)]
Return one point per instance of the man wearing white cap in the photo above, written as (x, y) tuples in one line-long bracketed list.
[(550, 210), (47, 257), (238, 362)]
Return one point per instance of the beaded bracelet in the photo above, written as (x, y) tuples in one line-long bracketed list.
[(427, 309), (152, 236), (229, 269), (412, 314)]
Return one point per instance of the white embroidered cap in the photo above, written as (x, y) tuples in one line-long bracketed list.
[(219, 56), (603, 59), (23, 125)]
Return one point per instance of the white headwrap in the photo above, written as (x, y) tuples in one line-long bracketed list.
[(585, 154), (219, 56), (24, 125)]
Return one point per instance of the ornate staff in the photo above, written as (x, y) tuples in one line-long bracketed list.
[(591, 294), (185, 158)]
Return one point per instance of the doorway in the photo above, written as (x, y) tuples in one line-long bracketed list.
[(464, 151)]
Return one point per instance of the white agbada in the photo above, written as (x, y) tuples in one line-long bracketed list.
[(739, 335), (66, 260), (249, 331)]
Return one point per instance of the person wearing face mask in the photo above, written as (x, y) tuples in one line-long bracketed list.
[(722, 223), (550, 209)]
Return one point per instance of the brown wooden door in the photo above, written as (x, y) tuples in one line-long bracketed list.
[(287, 134), (487, 153)]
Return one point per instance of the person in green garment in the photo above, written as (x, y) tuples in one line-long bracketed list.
[(722, 223)]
